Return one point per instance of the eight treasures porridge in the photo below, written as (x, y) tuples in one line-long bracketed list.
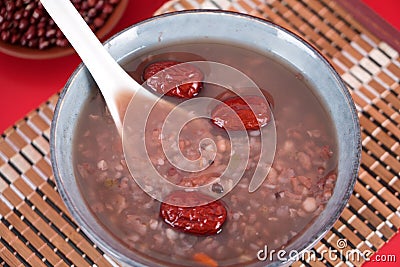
[(233, 229)]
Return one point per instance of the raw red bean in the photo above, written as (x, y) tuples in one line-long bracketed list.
[(27, 24), (202, 220), (183, 81), (98, 22), (91, 3), (5, 36), (107, 9), (251, 120), (23, 24)]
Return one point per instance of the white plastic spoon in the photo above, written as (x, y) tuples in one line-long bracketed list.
[(116, 86)]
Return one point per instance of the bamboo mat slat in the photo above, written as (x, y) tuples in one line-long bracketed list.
[(37, 230)]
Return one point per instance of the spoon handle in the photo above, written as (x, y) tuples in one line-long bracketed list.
[(116, 86)]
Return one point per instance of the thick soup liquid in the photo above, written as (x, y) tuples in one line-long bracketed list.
[(296, 190)]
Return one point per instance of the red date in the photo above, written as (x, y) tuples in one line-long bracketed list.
[(252, 118), (202, 220), (183, 81), (230, 94)]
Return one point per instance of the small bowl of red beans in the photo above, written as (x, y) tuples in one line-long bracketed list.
[(27, 31), (173, 215)]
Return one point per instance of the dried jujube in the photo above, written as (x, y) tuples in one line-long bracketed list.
[(183, 81), (252, 117), (202, 220)]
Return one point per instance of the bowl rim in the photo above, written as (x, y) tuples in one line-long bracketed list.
[(357, 134)]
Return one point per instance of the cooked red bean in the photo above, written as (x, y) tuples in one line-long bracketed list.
[(252, 118), (326, 152), (183, 81), (202, 220)]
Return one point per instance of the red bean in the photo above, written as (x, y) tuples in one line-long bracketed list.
[(26, 22), (326, 152)]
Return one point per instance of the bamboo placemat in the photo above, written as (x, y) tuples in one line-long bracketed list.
[(37, 230)]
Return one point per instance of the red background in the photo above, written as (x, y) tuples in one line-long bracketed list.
[(25, 84)]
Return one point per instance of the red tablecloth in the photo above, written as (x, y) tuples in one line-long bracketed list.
[(24, 84)]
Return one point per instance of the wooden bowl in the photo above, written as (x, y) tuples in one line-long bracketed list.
[(56, 51)]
